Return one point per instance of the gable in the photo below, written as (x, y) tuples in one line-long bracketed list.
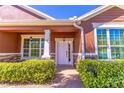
[(94, 12), (104, 13), (19, 13), (115, 14)]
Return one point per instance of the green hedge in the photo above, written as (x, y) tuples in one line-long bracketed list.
[(30, 71), (96, 74)]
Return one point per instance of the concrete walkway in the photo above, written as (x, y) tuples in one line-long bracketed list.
[(67, 77)]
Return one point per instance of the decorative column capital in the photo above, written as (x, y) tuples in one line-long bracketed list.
[(47, 30)]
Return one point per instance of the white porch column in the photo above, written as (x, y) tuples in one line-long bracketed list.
[(46, 52)]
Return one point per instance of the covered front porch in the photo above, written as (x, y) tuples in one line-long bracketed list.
[(62, 43)]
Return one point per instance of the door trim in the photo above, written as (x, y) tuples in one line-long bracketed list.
[(63, 39)]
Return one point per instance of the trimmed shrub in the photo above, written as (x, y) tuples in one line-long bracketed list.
[(30, 71), (97, 74)]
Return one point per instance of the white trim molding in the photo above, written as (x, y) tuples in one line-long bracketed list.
[(52, 53), (108, 44), (95, 40), (90, 54), (4, 54), (77, 54), (32, 35), (39, 13), (64, 39), (109, 25)]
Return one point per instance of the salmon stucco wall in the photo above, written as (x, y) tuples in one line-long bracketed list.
[(74, 35), (12, 13), (11, 41), (8, 42), (76, 42)]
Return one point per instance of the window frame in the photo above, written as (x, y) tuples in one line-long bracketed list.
[(109, 45), (22, 44)]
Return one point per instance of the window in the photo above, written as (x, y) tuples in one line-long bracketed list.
[(42, 45), (26, 48), (115, 41), (33, 47), (102, 43)]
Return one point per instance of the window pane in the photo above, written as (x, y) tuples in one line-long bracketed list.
[(115, 52), (35, 52), (101, 37), (26, 52), (122, 37), (26, 43), (114, 36), (42, 43), (42, 51), (102, 43), (35, 43), (121, 52), (101, 31), (102, 52)]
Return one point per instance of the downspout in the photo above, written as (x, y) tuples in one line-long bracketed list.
[(82, 38)]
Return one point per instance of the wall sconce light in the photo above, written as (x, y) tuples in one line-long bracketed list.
[(63, 39), (30, 38)]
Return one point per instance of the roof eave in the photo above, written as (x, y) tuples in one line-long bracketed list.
[(37, 12), (42, 23)]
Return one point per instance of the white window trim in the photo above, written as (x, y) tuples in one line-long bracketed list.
[(90, 54), (4, 54), (77, 54), (107, 26), (22, 43), (108, 45), (96, 43)]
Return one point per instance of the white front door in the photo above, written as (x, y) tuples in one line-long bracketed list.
[(64, 52)]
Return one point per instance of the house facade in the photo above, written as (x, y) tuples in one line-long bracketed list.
[(26, 33)]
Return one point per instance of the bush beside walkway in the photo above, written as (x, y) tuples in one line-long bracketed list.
[(97, 74), (30, 71)]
